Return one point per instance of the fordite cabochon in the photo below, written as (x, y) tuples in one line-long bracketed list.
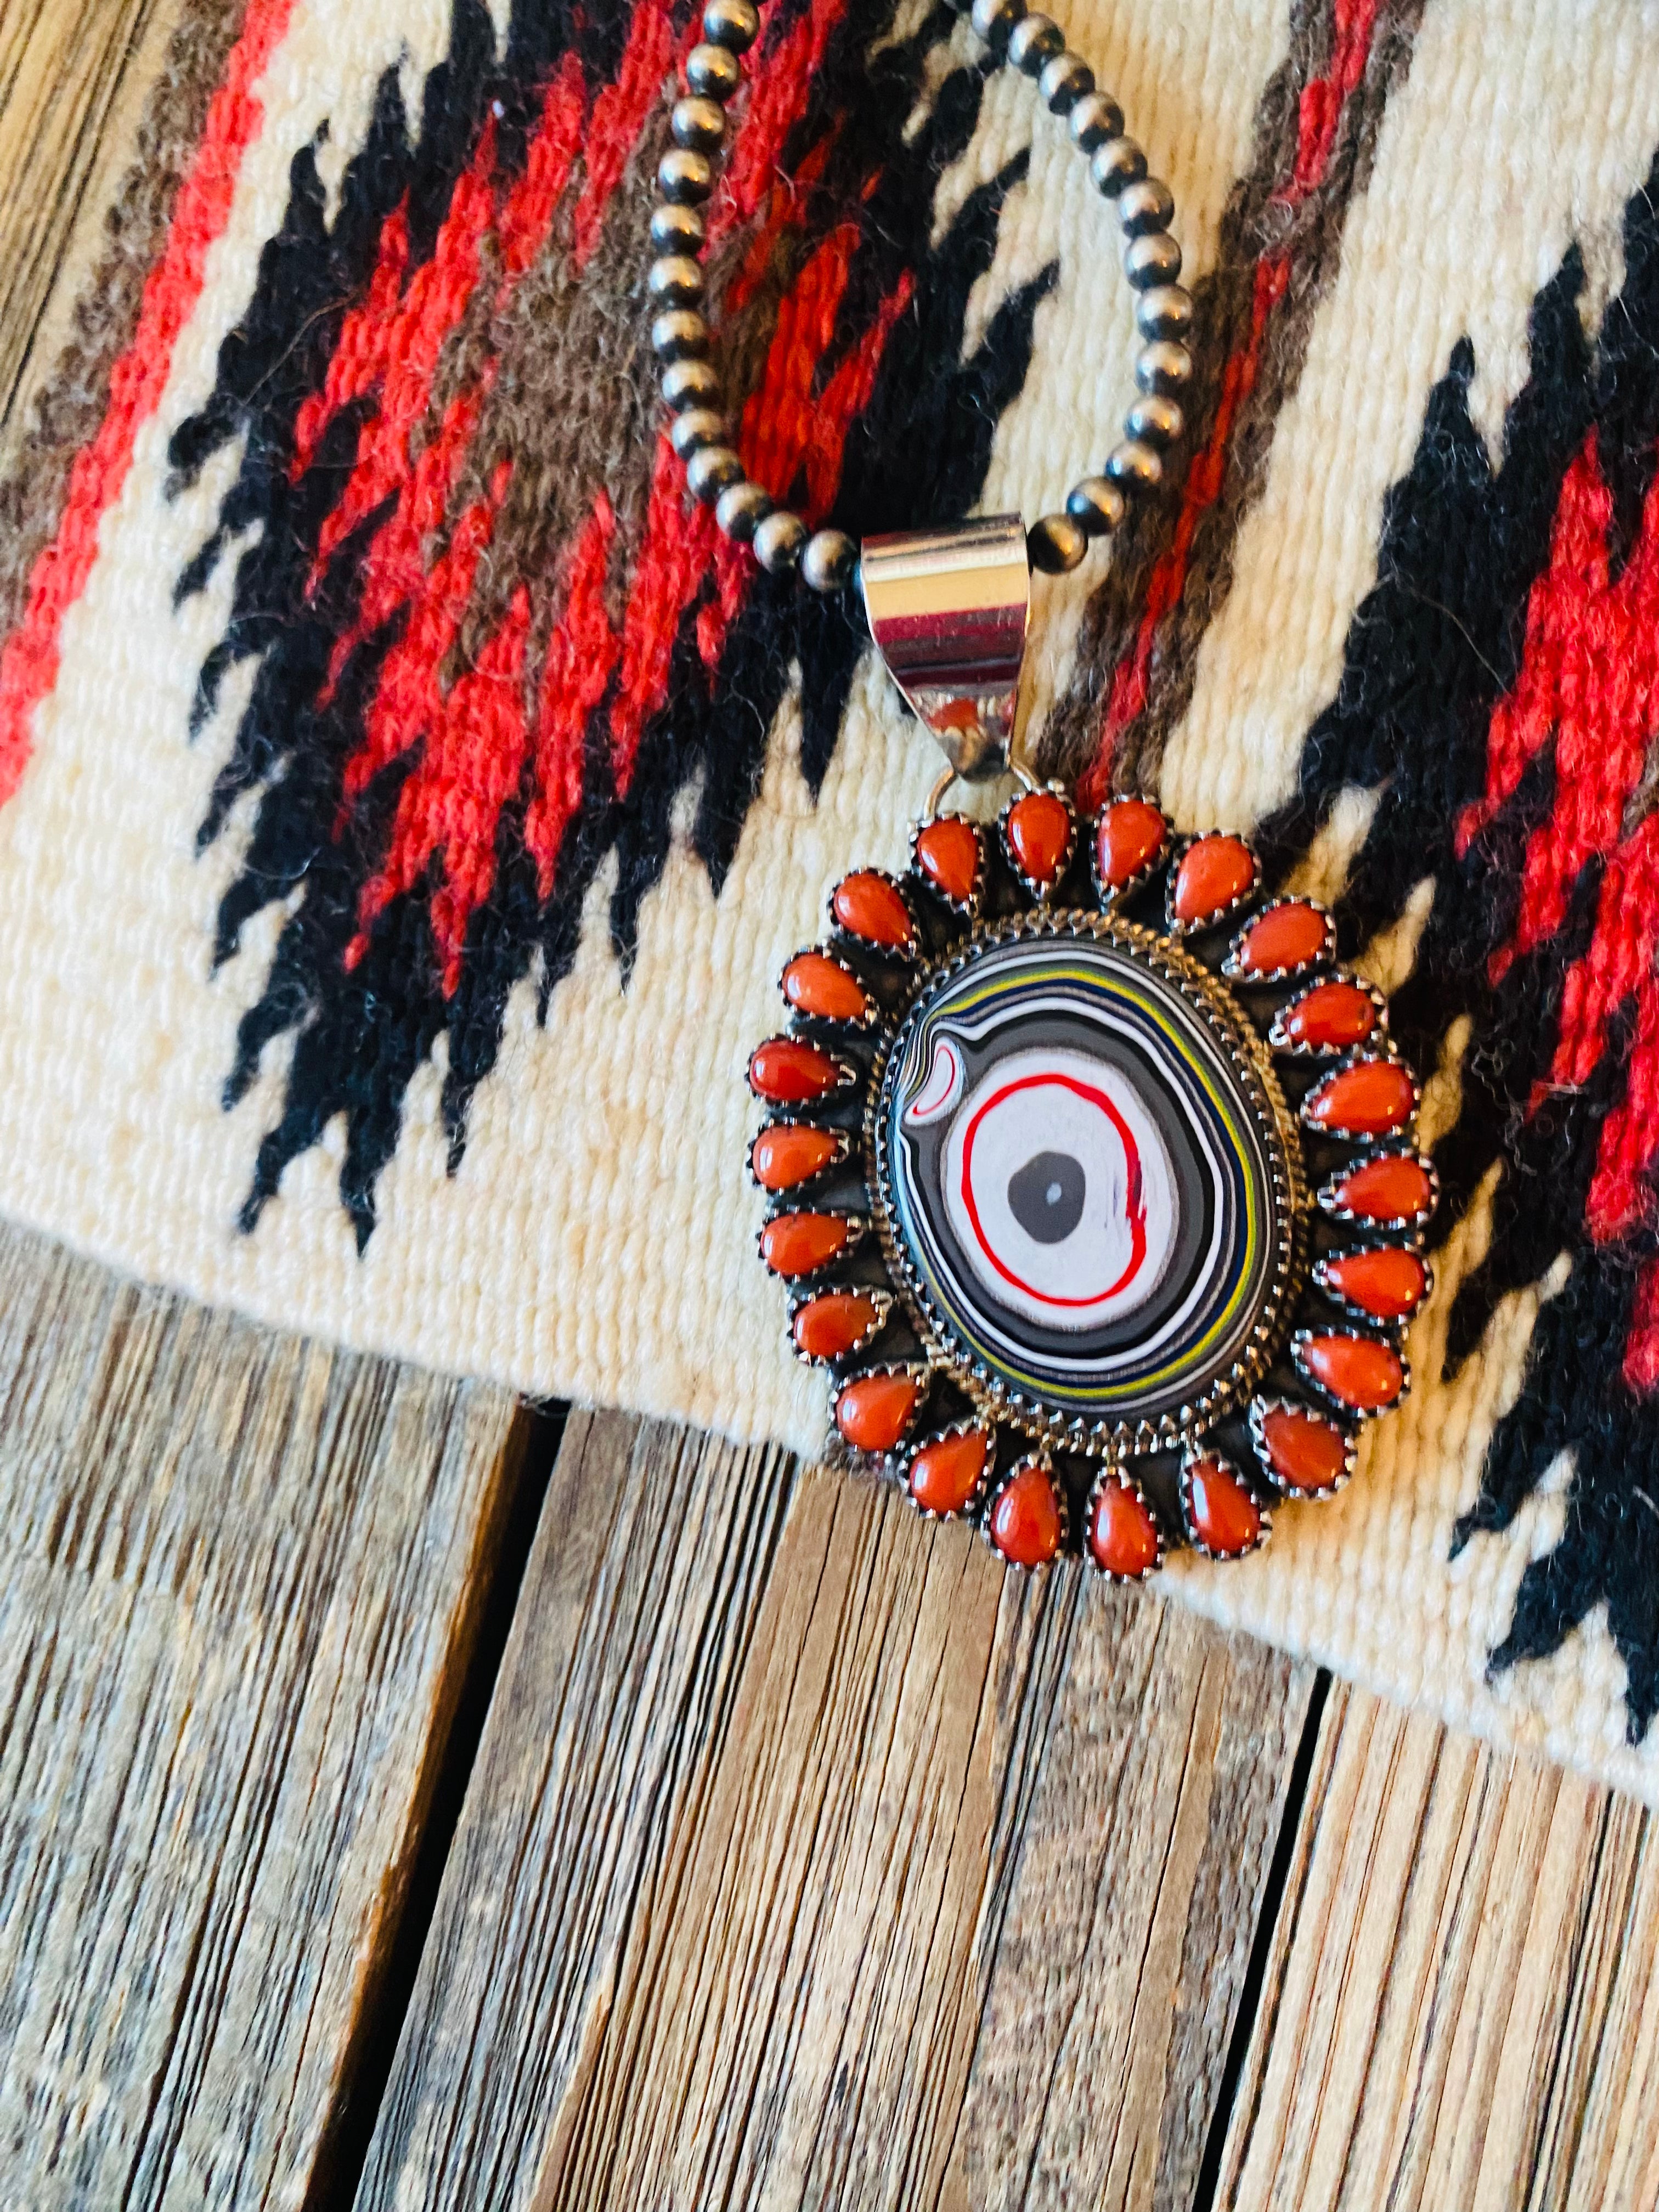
[(1092, 1176)]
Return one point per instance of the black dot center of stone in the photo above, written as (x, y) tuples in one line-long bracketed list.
[(1046, 1196)]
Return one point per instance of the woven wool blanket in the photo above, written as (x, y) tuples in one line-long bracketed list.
[(407, 802)]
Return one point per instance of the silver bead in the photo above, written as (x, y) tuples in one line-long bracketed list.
[(698, 124), (1164, 366), (1164, 312), (1096, 118), (1153, 260), (1097, 506), (995, 21), (740, 510), (830, 556), (675, 281), (1145, 206), (696, 428), (1056, 544), (1136, 466), (684, 177), (691, 383), (710, 470), (733, 24), (1065, 81), (714, 71), (1119, 161), (779, 541), (679, 335), (1033, 43), (677, 230), (1155, 422)]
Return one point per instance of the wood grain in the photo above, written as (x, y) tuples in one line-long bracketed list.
[(1462, 2005), (1144, 1761), (240, 1579), (63, 66), (807, 1860)]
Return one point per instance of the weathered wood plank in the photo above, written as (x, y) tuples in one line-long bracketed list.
[(1153, 1756), (239, 1584), (1462, 2005), (806, 1860), (63, 66)]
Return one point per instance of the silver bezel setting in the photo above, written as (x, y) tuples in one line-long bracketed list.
[(1382, 1052), (955, 1390), (881, 1299), (1349, 1307), (791, 1191), (1300, 1340), (971, 1425), (1193, 1458), (1410, 1225), (1113, 1471), (1290, 1047), (1201, 925), (1262, 1405), (1272, 979)]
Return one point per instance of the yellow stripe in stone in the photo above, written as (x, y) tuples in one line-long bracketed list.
[(1193, 1353)]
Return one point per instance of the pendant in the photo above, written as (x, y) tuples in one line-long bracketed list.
[(1090, 1172)]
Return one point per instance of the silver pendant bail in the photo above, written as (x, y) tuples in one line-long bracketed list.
[(948, 611)]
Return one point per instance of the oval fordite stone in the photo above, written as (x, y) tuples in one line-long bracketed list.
[(1088, 1174)]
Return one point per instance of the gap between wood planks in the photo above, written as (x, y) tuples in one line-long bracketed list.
[(808, 1858), (340, 2163), (338, 2173), (1245, 2023)]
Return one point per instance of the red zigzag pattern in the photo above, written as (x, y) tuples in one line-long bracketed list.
[(1589, 678)]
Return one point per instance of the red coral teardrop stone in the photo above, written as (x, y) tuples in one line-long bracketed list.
[(1122, 1534), (1039, 828), (791, 1073), (1330, 1017), (1398, 1188), (1356, 1371), (1388, 1283), (815, 984), (1128, 839), (782, 1157), (801, 1243), (1213, 873), (1286, 937), (867, 905), (1025, 1525), (1306, 1453), (1225, 1518), (1372, 1098), (873, 1412), (947, 853), (826, 1328), (944, 1475)]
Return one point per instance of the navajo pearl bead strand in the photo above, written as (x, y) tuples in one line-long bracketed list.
[(682, 339)]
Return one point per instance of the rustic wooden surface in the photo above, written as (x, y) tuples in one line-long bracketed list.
[(1461, 2007), (72, 74), (240, 1580), (392, 1814), (808, 1860)]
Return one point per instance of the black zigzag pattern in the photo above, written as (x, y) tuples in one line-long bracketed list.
[(920, 446), (1433, 650)]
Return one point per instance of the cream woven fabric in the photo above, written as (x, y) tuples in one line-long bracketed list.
[(595, 1236)]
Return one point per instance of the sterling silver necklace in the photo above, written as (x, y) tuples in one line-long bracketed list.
[(1091, 1174)]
